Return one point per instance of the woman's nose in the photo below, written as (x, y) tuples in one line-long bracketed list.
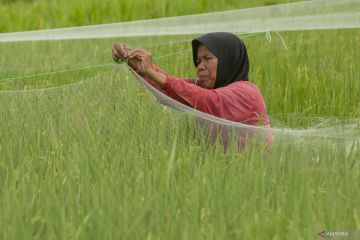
[(201, 66)]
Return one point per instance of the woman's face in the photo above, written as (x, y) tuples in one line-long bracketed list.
[(206, 67)]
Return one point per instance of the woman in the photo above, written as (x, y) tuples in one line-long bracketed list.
[(222, 88)]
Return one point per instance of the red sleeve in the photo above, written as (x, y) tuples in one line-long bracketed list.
[(154, 84), (231, 102)]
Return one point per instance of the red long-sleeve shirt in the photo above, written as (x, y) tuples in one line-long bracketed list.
[(240, 101)]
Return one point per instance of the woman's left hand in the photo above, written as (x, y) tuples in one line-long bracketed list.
[(140, 60)]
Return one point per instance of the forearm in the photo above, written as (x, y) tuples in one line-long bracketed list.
[(151, 75)]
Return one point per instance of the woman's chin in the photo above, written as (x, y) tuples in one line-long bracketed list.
[(206, 84)]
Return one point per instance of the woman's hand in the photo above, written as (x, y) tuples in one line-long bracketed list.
[(120, 51), (140, 60)]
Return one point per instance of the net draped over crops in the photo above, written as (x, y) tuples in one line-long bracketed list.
[(64, 103)]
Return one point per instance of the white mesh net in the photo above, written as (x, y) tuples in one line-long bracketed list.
[(308, 15), (89, 150), (36, 87)]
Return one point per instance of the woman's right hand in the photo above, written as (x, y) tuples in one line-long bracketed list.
[(120, 51), (140, 61)]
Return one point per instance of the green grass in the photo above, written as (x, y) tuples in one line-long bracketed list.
[(306, 79), (101, 159), (21, 15)]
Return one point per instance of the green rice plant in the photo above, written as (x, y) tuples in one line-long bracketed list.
[(87, 153), (101, 159), (40, 14)]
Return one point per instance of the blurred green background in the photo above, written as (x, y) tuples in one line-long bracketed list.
[(22, 15)]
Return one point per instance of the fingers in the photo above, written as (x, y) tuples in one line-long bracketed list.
[(120, 51), (115, 55), (121, 47), (138, 53), (136, 50), (136, 57)]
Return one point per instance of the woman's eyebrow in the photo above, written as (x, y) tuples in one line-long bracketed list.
[(201, 56)]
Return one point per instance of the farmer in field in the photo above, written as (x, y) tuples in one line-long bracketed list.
[(222, 88)]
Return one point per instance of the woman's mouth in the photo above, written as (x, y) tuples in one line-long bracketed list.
[(202, 77)]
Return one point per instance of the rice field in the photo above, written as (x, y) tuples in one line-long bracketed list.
[(88, 153), (22, 15)]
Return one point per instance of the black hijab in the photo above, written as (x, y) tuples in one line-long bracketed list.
[(233, 61)]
